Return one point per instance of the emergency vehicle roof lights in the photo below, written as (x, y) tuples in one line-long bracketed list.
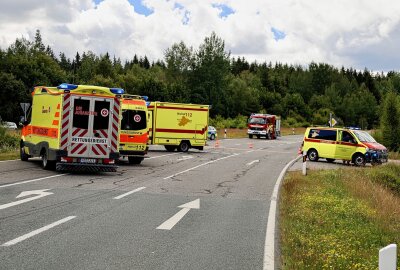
[(145, 98), (67, 86), (117, 91)]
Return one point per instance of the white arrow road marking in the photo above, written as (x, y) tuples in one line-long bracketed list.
[(33, 180), (39, 194), (254, 161), (198, 166), (129, 193), (185, 158), (35, 232), (170, 223)]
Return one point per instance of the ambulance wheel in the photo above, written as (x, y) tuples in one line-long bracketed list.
[(359, 160), (312, 155), (22, 154), (184, 146), (46, 163), (212, 137), (135, 160), (170, 148), (330, 160), (250, 136)]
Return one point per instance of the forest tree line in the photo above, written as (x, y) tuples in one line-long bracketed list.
[(301, 95)]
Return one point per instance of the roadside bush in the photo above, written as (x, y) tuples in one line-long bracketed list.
[(219, 122), (8, 141)]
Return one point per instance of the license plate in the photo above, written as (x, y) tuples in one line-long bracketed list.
[(256, 132), (88, 160)]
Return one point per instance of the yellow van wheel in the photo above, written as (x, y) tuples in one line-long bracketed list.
[(312, 155), (359, 159)]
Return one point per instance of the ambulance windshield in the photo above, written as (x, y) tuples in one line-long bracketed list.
[(364, 136), (133, 120)]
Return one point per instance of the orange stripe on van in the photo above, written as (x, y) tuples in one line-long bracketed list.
[(134, 102), (128, 138)]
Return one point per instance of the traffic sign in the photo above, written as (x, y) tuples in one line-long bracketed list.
[(333, 122), (25, 106)]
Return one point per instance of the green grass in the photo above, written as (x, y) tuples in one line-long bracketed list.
[(338, 219), (10, 155)]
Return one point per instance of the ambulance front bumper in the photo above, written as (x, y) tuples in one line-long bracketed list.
[(80, 167)]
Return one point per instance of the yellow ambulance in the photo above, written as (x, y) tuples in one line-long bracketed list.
[(178, 126), (134, 134), (73, 127), (356, 146)]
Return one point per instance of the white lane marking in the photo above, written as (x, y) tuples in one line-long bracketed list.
[(8, 160), (198, 166), (39, 194), (254, 161), (129, 193), (35, 232), (163, 156), (185, 158), (269, 248), (171, 222), (33, 180)]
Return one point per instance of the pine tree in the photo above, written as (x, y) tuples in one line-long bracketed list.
[(390, 121)]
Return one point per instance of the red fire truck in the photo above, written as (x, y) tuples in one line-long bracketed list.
[(264, 125)]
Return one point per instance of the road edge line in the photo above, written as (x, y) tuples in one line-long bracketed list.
[(32, 180), (269, 246)]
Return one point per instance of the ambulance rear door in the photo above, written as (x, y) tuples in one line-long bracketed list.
[(91, 125)]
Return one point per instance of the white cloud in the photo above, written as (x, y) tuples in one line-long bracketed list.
[(350, 33)]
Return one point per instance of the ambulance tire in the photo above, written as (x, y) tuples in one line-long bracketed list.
[(170, 148), (312, 155), (359, 159), (46, 163), (250, 136), (135, 160), (184, 146), (22, 154)]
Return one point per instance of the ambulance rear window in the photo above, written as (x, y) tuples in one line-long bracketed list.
[(81, 119), (133, 120), (102, 115)]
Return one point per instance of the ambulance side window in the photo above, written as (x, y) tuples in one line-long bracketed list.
[(133, 120), (80, 115), (102, 115)]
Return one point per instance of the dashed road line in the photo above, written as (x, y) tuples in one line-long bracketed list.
[(35, 232), (198, 166), (129, 193), (33, 180)]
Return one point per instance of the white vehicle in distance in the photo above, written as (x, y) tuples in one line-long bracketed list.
[(10, 125), (212, 133)]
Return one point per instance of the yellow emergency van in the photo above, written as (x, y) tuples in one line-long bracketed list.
[(134, 134), (357, 146), (178, 126), (73, 127)]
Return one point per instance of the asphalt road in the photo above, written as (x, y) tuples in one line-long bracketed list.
[(132, 219)]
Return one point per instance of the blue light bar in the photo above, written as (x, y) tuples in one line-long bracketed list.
[(148, 103), (117, 91), (67, 86), (145, 97)]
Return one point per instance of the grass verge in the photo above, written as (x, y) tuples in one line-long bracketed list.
[(9, 155), (339, 219)]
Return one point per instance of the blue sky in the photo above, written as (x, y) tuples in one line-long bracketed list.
[(139, 7)]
